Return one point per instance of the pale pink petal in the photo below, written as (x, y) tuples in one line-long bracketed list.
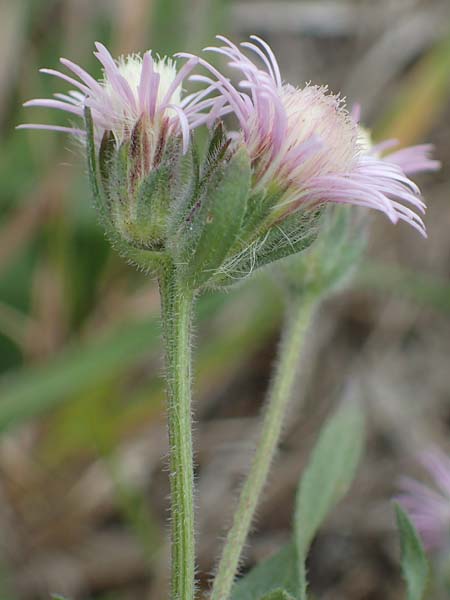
[(71, 130)]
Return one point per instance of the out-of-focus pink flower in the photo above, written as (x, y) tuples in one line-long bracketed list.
[(413, 159), (306, 142), (429, 505), (133, 88)]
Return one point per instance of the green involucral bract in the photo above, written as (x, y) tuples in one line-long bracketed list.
[(210, 231), (161, 206)]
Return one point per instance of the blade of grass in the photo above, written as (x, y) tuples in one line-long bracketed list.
[(31, 391)]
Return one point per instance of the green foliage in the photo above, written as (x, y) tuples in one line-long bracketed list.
[(30, 167), (333, 257), (278, 595), (213, 227), (206, 220), (290, 237), (325, 481), (132, 197), (327, 478), (270, 243), (99, 197), (414, 562), (278, 571)]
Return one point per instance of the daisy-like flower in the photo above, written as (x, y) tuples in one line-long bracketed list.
[(429, 505), (257, 195), (133, 89), (136, 125), (306, 142)]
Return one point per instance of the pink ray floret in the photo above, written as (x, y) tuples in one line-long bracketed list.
[(429, 505), (132, 87), (307, 142)]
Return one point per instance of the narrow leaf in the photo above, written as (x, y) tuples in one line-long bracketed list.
[(414, 562), (278, 595), (326, 479), (277, 572), (293, 236)]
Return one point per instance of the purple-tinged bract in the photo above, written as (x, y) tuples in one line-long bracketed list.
[(132, 88), (136, 126), (429, 505)]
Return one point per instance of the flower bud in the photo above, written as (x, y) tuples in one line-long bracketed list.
[(306, 147), (259, 195), (135, 190), (137, 134)]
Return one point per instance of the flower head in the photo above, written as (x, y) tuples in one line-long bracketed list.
[(132, 88), (305, 142), (429, 505), (258, 194), (136, 125)]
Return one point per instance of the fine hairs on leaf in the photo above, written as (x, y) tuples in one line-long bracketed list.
[(278, 594), (293, 236), (277, 572), (217, 221), (327, 478), (414, 562)]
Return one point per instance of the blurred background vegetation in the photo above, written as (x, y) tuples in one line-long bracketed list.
[(83, 470)]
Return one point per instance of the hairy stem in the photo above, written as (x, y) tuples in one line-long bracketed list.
[(176, 310), (298, 318)]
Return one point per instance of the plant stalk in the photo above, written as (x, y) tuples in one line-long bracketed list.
[(176, 313), (298, 318)]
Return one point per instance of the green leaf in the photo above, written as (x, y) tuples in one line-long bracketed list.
[(292, 236), (214, 224), (278, 595), (277, 572), (326, 479), (414, 562)]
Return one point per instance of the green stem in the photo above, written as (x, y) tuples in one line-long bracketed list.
[(296, 324), (176, 309)]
